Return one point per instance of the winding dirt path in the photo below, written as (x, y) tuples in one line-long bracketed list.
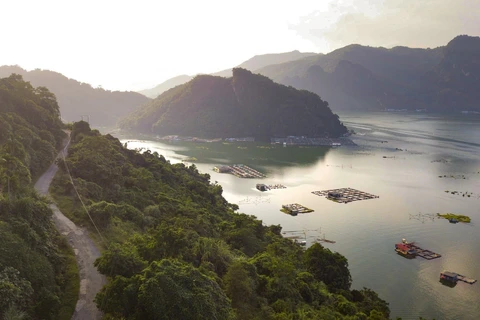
[(85, 251)]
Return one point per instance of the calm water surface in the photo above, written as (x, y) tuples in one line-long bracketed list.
[(408, 184)]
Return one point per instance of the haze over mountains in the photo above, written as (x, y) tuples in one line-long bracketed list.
[(359, 77), (364, 78), (252, 64), (355, 77), (103, 107)]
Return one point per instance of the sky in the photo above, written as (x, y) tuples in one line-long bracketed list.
[(134, 45)]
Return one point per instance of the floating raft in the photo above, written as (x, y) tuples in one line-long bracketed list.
[(426, 254), (276, 186), (345, 195), (295, 208), (454, 277), (264, 187), (466, 279), (240, 170)]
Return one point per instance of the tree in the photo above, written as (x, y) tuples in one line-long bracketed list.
[(13, 313), (241, 283), (329, 267), (120, 260), (14, 290), (170, 289)]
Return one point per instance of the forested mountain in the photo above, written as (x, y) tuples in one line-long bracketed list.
[(178, 250), (244, 105), (38, 275), (364, 78), (75, 99), (456, 79), (252, 64)]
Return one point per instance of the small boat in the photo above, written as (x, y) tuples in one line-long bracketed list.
[(300, 243)]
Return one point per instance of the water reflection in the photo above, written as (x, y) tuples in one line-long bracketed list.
[(252, 154)]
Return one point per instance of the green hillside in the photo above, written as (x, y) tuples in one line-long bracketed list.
[(245, 105), (76, 99), (178, 250), (38, 274)]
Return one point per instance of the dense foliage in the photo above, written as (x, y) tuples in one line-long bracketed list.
[(359, 77), (33, 257), (245, 105), (76, 99), (176, 249)]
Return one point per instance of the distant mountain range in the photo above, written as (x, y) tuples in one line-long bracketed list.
[(444, 79), (103, 107), (245, 104), (356, 77), (252, 64), (164, 86)]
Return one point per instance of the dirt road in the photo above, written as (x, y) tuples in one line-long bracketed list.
[(85, 251)]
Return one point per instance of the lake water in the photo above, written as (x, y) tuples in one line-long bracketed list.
[(408, 184)]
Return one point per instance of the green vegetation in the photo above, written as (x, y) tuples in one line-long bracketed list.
[(103, 107), (71, 287), (458, 217), (38, 272), (244, 105), (178, 249)]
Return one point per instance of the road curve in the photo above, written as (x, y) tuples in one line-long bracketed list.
[(91, 281)]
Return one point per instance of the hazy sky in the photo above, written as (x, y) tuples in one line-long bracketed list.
[(138, 44)]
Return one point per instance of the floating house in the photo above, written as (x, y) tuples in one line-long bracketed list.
[(222, 169), (453, 278), (345, 195), (334, 195), (291, 209), (295, 208), (449, 276), (404, 249), (410, 249)]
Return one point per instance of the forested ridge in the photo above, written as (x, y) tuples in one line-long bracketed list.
[(38, 274), (77, 99), (245, 105), (176, 249)]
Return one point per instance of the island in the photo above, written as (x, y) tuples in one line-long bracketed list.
[(245, 105), (454, 218)]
